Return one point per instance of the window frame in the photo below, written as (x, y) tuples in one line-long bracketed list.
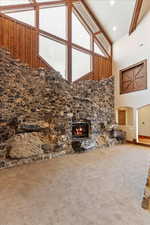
[(70, 8)]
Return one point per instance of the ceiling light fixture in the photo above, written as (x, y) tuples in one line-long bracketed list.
[(114, 28), (112, 2)]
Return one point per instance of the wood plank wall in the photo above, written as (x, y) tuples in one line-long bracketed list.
[(102, 69), (21, 40)]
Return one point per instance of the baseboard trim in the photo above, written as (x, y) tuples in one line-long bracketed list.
[(130, 142), (144, 137), (137, 143)]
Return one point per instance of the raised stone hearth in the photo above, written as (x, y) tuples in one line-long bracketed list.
[(38, 107)]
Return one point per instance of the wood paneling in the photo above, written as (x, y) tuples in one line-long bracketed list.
[(21, 40), (122, 117), (133, 78), (102, 69)]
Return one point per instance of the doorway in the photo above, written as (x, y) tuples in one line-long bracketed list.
[(144, 125)]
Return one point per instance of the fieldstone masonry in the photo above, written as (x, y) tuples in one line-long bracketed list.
[(37, 108), (146, 198)]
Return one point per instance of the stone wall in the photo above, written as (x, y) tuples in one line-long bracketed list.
[(146, 198), (37, 108), (94, 100)]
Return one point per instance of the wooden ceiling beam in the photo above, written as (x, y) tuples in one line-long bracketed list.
[(136, 13), (96, 33)]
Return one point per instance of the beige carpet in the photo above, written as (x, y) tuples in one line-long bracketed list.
[(82, 189)]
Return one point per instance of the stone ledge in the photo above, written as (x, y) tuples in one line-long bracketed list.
[(4, 164)]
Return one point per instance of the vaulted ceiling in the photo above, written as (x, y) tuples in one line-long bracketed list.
[(115, 15)]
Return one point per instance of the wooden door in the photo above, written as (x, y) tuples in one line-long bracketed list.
[(121, 117)]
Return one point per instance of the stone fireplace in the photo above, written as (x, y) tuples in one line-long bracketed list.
[(80, 129), (43, 115)]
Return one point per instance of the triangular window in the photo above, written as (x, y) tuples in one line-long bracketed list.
[(81, 64), (25, 17), (98, 50)]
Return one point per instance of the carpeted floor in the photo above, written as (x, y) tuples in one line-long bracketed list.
[(91, 188)]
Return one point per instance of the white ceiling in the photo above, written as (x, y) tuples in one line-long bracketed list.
[(114, 15)]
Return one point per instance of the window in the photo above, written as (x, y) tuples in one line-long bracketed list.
[(25, 16), (79, 69), (80, 36), (87, 17), (53, 20), (59, 45), (47, 0), (107, 46), (53, 53), (98, 50), (13, 2)]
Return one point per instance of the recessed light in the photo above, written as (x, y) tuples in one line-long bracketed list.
[(141, 45), (112, 2), (114, 28)]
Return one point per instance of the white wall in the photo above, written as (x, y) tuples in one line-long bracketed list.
[(127, 51), (144, 121)]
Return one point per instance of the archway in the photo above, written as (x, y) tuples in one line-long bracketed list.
[(124, 116), (125, 120), (144, 125)]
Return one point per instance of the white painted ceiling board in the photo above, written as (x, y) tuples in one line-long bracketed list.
[(117, 15)]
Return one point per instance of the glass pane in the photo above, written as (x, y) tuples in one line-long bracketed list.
[(81, 64), (26, 17), (79, 34), (53, 53), (86, 16), (98, 50), (47, 0), (13, 2), (104, 42), (53, 20)]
